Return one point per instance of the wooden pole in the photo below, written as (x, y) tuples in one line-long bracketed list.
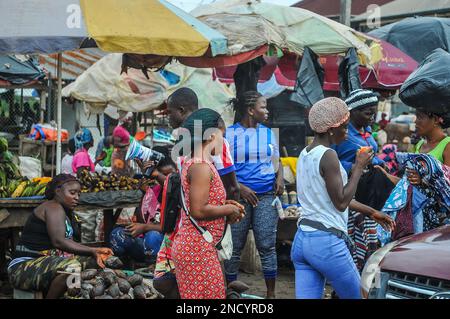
[(58, 115), (42, 107)]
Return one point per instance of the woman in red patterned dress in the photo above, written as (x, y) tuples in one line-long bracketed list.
[(199, 273)]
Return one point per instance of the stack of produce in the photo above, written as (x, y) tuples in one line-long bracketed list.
[(8, 169), (12, 184), (25, 188), (95, 182), (112, 283)]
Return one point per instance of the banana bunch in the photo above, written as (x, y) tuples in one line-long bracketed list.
[(8, 169), (23, 188)]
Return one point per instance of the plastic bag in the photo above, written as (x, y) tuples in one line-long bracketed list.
[(428, 87)]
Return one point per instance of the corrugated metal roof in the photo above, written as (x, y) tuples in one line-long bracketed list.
[(74, 63), (408, 8)]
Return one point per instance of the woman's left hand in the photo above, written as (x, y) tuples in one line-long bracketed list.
[(384, 220)]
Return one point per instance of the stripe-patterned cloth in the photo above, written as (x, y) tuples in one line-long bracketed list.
[(363, 231)]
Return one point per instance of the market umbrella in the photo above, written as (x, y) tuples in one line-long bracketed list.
[(389, 73), (133, 26), (417, 36), (250, 24)]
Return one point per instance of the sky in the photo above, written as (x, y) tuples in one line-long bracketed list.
[(188, 5)]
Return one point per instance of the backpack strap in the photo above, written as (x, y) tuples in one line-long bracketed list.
[(205, 233)]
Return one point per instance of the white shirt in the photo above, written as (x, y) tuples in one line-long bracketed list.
[(312, 192)]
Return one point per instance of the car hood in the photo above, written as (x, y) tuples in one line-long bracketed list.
[(426, 254)]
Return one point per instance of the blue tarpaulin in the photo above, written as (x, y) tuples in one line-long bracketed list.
[(18, 71)]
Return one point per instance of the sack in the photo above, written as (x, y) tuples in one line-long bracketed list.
[(47, 132), (428, 87), (171, 203), (30, 167), (225, 245)]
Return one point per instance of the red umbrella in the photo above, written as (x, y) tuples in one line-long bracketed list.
[(388, 74)]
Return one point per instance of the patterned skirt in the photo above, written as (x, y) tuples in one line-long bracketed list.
[(37, 274)]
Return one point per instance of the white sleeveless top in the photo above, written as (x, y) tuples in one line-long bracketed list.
[(312, 192)]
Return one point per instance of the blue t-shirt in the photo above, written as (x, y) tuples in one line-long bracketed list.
[(347, 150), (253, 151)]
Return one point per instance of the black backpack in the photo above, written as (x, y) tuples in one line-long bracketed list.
[(171, 203)]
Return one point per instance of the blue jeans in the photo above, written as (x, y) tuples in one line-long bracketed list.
[(264, 220), (138, 248), (320, 256)]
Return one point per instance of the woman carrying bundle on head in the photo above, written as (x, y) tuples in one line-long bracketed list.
[(430, 127), (47, 244)]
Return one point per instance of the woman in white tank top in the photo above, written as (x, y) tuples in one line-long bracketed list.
[(319, 251)]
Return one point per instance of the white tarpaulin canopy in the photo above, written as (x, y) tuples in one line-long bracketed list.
[(249, 24), (102, 85)]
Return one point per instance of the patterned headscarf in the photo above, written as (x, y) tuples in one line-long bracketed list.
[(83, 137), (328, 113)]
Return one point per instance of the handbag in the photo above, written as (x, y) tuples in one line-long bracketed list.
[(225, 245)]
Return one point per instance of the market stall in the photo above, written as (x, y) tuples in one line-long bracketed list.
[(20, 195)]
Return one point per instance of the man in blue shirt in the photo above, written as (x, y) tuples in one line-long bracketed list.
[(363, 106)]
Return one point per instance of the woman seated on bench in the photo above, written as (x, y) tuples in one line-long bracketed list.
[(47, 251)]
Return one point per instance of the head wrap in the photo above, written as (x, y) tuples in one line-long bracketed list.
[(122, 135), (200, 121), (328, 113), (82, 137), (359, 99), (56, 182)]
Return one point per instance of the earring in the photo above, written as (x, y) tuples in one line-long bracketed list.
[(331, 134)]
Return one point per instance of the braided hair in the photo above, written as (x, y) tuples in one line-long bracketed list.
[(243, 102), (57, 182)]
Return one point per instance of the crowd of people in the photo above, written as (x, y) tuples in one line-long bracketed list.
[(229, 179)]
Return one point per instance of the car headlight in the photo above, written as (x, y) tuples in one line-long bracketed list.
[(370, 276)]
